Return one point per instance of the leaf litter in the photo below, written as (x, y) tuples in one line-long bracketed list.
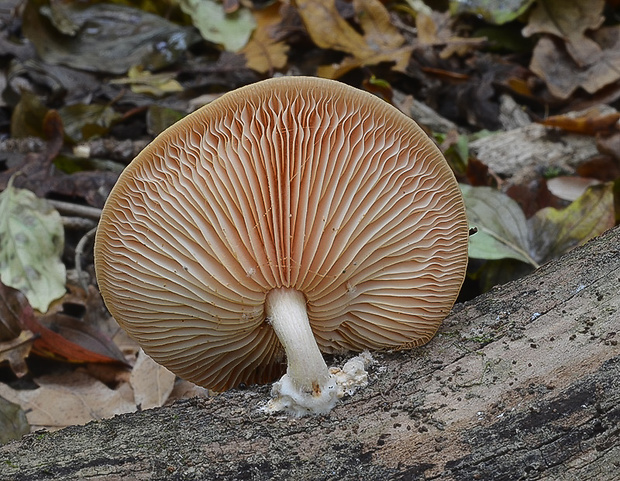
[(86, 85)]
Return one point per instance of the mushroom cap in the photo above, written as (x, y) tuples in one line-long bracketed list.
[(290, 182)]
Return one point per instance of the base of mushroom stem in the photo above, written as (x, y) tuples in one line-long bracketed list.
[(288, 399)]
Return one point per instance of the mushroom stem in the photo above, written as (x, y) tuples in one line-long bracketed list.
[(286, 312)]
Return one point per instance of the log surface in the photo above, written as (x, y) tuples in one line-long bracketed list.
[(520, 383)]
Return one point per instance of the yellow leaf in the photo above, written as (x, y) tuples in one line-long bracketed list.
[(559, 230), (328, 29), (379, 32), (263, 52), (427, 29), (143, 81)]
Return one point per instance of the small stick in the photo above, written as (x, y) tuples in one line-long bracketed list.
[(79, 251), (79, 210)]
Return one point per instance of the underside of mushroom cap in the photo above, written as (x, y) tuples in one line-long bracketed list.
[(291, 182)]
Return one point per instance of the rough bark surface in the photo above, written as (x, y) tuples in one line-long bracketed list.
[(521, 383)]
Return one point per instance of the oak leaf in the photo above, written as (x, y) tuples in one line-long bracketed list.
[(380, 42)]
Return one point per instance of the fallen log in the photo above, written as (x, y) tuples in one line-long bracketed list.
[(520, 383)]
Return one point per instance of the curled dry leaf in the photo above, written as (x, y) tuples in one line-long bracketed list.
[(563, 75), (381, 41), (66, 338), (70, 339), (16, 351), (569, 20), (11, 305), (591, 122)]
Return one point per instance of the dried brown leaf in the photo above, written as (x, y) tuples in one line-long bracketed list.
[(437, 29), (16, 351), (329, 30), (569, 20), (592, 122), (264, 53), (152, 383), (12, 302), (563, 76), (381, 41), (72, 340), (67, 399), (427, 29)]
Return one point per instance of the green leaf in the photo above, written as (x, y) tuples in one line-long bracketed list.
[(31, 243), (553, 232), (160, 118), (230, 30), (502, 227), (82, 122), (493, 11)]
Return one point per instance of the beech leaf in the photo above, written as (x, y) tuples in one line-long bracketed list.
[(502, 230), (31, 243)]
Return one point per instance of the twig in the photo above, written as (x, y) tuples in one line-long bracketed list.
[(78, 210), (79, 251), (78, 223)]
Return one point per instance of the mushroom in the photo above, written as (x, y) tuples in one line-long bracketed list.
[(287, 218)]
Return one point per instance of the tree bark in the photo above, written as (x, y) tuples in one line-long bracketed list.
[(520, 383)]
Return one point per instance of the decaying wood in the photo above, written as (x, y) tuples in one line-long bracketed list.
[(521, 383), (540, 149)]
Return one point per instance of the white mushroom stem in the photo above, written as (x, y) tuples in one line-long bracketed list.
[(286, 312), (308, 387)]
